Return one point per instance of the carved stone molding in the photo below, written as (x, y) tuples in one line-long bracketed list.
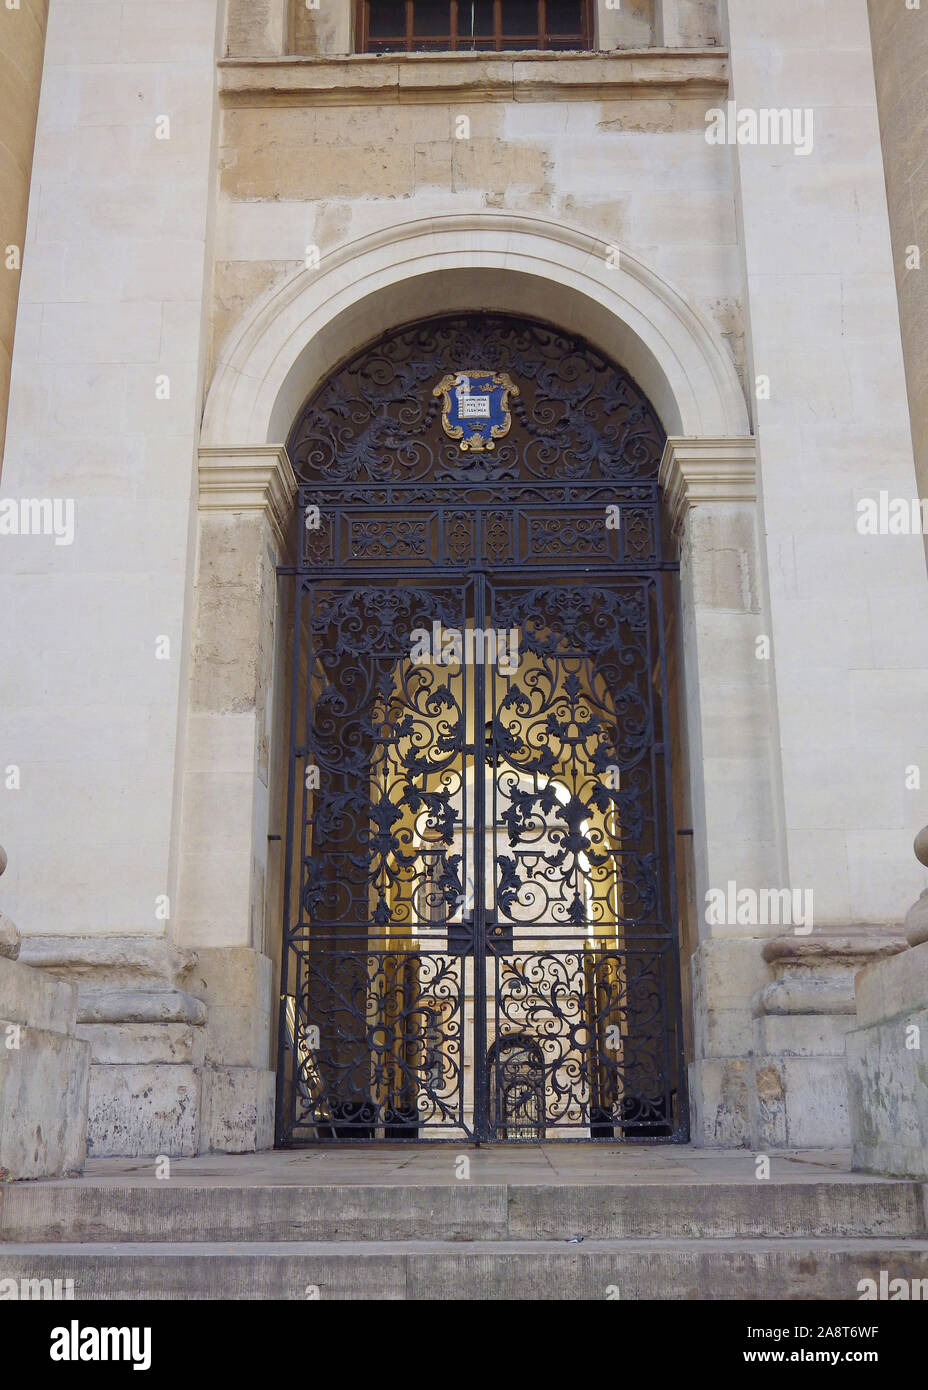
[(255, 478), (815, 974), (701, 471), (426, 77)]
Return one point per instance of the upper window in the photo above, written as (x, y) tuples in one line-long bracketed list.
[(471, 26)]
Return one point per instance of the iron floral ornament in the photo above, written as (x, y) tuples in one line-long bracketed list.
[(475, 408)]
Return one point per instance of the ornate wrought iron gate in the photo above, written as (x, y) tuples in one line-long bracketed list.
[(480, 937)]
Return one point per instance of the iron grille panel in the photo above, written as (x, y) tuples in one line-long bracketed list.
[(481, 936)]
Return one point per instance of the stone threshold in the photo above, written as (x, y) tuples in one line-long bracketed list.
[(427, 1164), (653, 73)]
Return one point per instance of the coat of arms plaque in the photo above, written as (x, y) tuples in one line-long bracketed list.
[(475, 408)]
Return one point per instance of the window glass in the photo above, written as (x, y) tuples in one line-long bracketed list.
[(431, 19), (520, 17), (387, 19), (563, 17)]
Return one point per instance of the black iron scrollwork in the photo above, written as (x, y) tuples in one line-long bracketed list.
[(577, 417), (480, 937)]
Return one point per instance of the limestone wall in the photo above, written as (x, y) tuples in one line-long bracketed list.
[(301, 167), (104, 411), (849, 641)]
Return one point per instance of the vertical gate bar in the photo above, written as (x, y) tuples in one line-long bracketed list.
[(679, 1061), (655, 639), (494, 1078), (282, 1129), (480, 911)]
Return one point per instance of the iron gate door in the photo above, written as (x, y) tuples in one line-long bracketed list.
[(483, 945), (480, 937)]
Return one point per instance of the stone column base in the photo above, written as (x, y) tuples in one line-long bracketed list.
[(43, 1076), (887, 1058), (802, 1018), (772, 1017), (143, 1111), (171, 1072)]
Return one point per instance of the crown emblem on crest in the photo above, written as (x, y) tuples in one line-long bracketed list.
[(475, 408)]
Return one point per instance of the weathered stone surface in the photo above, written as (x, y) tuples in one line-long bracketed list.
[(256, 28), (237, 986), (887, 1067), (888, 1073), (893, 987), (237, 1114), (684, 1208), (40, 1001), (800, 991), (816, 1102), (146, 1033), (130, 1043), (802, 1018), (9, 938), (139, 1110), (799, 1102), (737, 237), (686, 23), (767, 1270), (111, 962), (719, 1102), (802, 1035), (43, 1102), (499, 77), (726, 973), (141, 1006), (888, 1080), (852, 947), (785, 1068)]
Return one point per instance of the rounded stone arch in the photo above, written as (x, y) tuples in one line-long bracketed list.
[(299, 331)]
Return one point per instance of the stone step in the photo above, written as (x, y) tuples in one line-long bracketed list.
[(169, 1211), (537, 1270)]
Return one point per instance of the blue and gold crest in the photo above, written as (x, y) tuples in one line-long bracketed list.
[(475, 408)]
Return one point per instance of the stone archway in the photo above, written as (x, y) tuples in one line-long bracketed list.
[(300, 330), (297, 333)]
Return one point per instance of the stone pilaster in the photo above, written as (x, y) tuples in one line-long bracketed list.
[(730, 722), (245, 504)]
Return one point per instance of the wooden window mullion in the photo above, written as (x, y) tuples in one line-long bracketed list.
[(456, 40)]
